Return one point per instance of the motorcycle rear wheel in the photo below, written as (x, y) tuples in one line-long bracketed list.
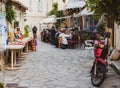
[(98, 78)]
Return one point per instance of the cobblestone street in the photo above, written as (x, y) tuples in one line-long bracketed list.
[(51, 67)]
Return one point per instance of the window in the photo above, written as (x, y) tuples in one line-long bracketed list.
[(16, 24), (30, 5), (40, 27), (40, 5), (47, 7)]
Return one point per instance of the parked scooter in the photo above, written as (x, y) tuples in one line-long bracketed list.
[(100, 64)]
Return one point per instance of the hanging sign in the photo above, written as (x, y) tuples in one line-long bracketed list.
[(3, 32)]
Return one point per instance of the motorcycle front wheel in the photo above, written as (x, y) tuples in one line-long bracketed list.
[(99, 77)]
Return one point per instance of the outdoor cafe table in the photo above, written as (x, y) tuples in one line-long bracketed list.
[(13, 49), (26, 40)]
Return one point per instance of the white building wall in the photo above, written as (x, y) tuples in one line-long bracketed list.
[(61, 4), (118, 37), (2, 8), (34, 16), (20, 19), (22, 22)]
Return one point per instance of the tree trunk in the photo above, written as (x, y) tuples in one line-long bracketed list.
[(113, 34)]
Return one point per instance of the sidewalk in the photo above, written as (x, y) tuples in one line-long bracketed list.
[(51, 67)]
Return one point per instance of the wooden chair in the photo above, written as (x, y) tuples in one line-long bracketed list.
[(59, 42), (33, 45), (72, 44)]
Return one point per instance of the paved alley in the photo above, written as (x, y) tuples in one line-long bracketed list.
[(51, 67)]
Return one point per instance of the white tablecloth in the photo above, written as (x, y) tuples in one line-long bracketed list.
[(14, 46)]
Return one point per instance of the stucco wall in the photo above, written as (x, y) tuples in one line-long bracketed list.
[(2, 5), (33, 20), (118, 37), (34, 16), (61, 4)]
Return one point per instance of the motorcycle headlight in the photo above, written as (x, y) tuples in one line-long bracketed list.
[(101, 46)]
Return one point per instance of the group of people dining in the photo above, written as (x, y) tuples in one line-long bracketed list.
[(64, 38)]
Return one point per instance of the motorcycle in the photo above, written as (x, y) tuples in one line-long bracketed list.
[(99, 68)]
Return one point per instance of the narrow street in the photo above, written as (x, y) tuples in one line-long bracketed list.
[(51, 67)]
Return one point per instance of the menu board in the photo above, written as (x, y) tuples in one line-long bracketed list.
[(3, 32)]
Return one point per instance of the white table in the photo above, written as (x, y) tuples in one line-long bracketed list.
[(13, 49)]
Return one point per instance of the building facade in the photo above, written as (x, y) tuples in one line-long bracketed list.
[(3, 33), (117, 36), (37, 11), (61, 4)]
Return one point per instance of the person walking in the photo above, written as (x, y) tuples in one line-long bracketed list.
[(34, 30), (52, 33)]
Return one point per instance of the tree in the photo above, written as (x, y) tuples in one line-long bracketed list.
[(109, 8), (57, 13), (64, 1)]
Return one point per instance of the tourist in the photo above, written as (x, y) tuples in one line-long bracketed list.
[(34, 30)]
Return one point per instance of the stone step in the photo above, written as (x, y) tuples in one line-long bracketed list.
[(116, 66), (11, 85), (14, 85), (116, 63), (22, 87)]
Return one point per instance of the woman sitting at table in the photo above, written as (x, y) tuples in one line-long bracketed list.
[(64, 37), (18, 34)]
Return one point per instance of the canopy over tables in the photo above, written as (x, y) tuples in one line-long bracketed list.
[(75, 4), (84, 12), (66, 17), (50, 19)]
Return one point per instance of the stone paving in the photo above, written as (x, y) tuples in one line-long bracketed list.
[(51, 67)]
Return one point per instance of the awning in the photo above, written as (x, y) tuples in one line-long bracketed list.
[(84, 12), (66, 17), (18, 4), (51, 19), (75, 4)]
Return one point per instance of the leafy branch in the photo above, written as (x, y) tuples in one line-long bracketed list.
[(10, 13)]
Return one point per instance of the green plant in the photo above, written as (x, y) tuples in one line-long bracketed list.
[(25, 20), (26, 32), (10, 13), (101, 27), (105, 7), (84, 36), (1, 85), (109, 10), (57, 13)]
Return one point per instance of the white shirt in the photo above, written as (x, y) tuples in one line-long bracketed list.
[(64, 38)]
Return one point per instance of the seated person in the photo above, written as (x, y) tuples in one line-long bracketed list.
[(69, 32), (64, 36), (18, 34)]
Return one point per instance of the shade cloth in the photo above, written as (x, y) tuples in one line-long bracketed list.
[(50, 19), (75, 4), (84, 12)]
